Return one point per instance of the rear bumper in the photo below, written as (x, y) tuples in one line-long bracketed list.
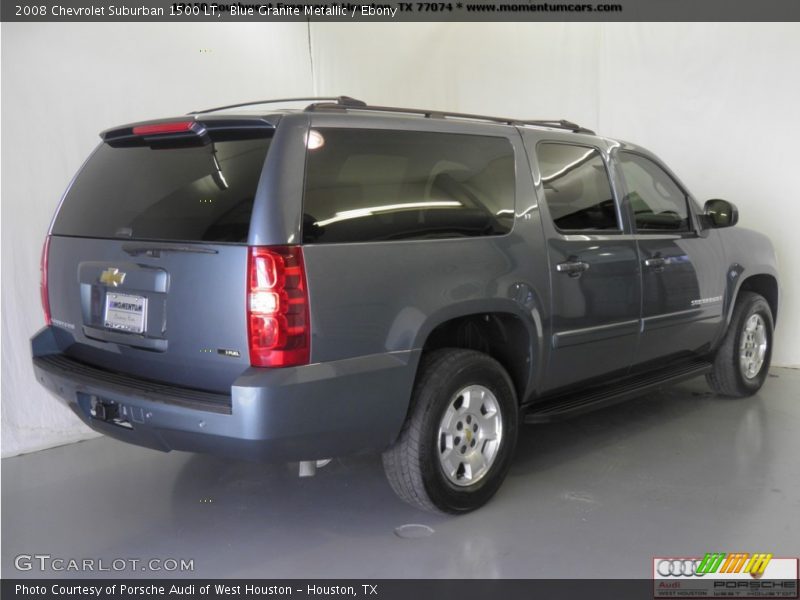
[(299, 413)]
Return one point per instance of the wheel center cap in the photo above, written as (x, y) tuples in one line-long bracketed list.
[(469, 435)]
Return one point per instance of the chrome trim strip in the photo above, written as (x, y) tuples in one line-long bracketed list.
[(596, 333)]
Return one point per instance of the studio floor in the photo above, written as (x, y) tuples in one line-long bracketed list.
[(678, 473)]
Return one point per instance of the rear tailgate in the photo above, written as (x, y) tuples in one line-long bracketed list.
[(147, 264)]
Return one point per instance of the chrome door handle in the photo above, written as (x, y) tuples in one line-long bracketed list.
[(656, 263), (572, 268)]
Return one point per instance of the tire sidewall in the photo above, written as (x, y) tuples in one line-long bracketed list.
[(447, 496), (757, 306)]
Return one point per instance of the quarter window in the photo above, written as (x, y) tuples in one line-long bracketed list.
[(658, 204), (576, 188), (377, 185)]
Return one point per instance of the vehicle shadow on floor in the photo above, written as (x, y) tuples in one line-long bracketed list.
[(355, 487)]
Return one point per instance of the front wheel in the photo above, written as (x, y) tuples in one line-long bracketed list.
[(742, 360), (458, 441)]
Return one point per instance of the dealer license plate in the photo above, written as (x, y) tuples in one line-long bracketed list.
[(125, 312)]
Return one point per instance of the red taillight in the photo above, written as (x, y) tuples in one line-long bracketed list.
[(278, 325), (161, 128), (43, 281)]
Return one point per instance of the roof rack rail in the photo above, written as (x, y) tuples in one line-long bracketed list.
[(340, 101), (559, 124), (353, 104)]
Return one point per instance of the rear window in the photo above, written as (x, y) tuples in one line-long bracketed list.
[(368, 185), (577, 188), (200, 193)]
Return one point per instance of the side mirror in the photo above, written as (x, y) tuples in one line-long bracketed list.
[(720, 213)]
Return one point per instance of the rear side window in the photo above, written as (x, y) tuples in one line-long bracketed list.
[(576, 188), (200, 193), (366, 185)]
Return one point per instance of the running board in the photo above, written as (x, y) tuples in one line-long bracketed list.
[(575, 403)]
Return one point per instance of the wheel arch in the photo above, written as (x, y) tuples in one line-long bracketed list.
[(764, 284), (501, 330)]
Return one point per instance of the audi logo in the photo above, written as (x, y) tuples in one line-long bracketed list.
[(679, 567)]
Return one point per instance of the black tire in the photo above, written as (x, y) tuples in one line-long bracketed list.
[(728, 377), (412, 464)]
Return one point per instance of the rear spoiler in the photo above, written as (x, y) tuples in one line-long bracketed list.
[(186, 131)]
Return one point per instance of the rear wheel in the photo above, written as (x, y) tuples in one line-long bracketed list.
[(458, 441), (742, 361)]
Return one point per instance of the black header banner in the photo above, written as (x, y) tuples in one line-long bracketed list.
[(388, 11)]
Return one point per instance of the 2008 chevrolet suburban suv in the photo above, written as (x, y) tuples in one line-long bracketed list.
[(301, 284)]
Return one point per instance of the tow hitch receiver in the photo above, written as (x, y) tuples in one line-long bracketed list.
[(110, 412)]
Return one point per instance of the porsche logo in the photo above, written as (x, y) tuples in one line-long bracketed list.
[(112, 276)]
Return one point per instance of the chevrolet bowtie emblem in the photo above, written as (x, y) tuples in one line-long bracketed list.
[(112, 276)]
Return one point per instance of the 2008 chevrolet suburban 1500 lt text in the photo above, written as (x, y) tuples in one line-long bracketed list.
[(302, 284)]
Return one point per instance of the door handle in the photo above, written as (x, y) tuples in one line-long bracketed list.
[(573, 268), (657, 263)]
